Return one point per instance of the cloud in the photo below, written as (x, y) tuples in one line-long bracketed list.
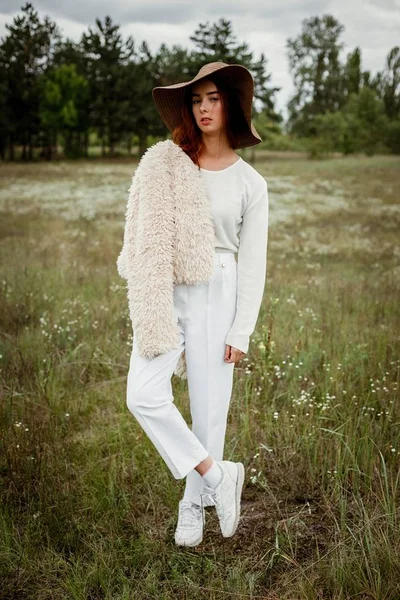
[(171, 11), (372, 25)]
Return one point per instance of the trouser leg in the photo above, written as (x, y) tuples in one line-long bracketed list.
[(150, 399), (210, 314)]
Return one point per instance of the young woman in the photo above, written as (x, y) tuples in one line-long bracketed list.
[(215, 300)]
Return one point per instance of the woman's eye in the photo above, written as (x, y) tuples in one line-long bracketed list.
[(195, 101)]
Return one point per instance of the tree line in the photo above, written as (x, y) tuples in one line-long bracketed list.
[(55, 92)]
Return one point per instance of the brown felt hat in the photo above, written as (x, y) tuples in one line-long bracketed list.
[(169, 98)]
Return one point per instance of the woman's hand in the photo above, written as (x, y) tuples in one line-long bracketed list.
[(232, 355)]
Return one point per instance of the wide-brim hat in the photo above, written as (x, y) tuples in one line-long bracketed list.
[(169, 98)]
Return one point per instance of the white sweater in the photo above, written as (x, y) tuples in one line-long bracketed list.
[(239, 200)]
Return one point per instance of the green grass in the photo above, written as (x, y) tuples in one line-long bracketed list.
[(88, 507)]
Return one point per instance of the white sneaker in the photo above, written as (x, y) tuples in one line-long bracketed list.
[(191, 519), (226, 495)]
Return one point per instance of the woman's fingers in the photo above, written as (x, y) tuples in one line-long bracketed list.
[(232, 355)]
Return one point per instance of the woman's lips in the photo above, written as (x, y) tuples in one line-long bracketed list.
[(206, 121)]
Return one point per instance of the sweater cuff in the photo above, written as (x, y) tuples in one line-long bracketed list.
[(238, 340)]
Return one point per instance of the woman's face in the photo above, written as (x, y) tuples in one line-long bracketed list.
[(206, 102)]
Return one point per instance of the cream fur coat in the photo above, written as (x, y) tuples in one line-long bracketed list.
[(169, 239)]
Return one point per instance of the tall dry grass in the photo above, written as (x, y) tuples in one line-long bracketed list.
[(89, 508)]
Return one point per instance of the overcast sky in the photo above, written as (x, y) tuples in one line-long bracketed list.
[(373, 25)]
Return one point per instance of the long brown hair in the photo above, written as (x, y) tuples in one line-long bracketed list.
[(188, 134)]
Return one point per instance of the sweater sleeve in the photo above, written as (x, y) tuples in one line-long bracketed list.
[(251, 268)]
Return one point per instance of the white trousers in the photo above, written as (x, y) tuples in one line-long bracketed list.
[(205, 314)]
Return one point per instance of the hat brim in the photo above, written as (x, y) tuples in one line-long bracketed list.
[(169, 99)]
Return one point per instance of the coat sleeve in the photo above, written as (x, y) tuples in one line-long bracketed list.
[(252, 264), (147, 257)]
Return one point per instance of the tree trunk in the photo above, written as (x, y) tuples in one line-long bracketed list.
[(68, 143), (86, 143), (142, 143), (2, 148), (11, 152), (55, 144), (30, 145), (48, 150), (129, 145)]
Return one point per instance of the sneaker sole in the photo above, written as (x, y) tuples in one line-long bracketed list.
[(192, 543), (238, 493)]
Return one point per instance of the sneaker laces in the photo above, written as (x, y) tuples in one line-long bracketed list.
[(214, 496), (187, 513)]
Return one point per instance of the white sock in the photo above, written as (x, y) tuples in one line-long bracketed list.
[(213, 476)]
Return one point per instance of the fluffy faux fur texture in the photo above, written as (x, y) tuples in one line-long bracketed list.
[(169, 239)]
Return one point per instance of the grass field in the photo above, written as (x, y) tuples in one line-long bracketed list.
[(88, 507)]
